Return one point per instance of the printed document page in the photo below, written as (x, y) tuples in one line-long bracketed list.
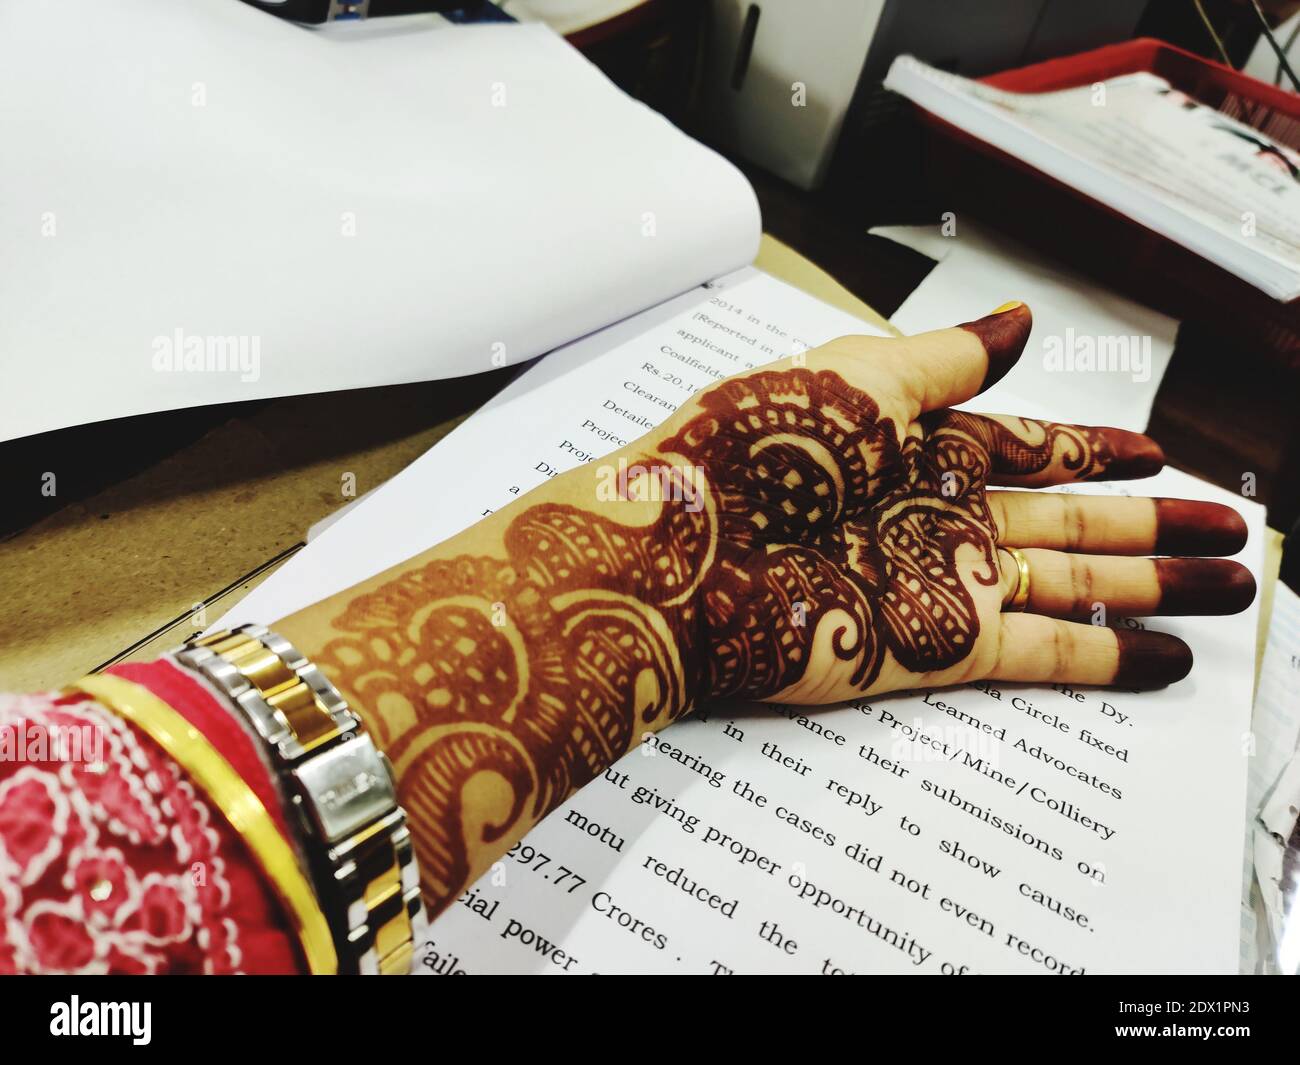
[(993, 828)]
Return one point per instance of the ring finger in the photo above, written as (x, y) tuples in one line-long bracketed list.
[(1068, 585)]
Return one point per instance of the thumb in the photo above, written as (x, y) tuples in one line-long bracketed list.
[(1003, 335), (948, 366)]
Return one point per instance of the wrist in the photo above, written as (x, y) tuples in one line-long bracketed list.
[(344, 810), (517, 661)]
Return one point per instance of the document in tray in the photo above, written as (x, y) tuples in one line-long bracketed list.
[(1209, 182), (998, 828)]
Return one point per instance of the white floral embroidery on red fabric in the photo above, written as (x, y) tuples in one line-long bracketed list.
[(72, 899)]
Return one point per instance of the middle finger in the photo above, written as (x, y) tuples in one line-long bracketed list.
[(1116, 525)]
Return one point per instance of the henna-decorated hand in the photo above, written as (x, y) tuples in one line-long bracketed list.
[(856, 546), (808, 534)]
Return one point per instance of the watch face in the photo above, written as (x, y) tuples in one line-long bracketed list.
[(346, 787)]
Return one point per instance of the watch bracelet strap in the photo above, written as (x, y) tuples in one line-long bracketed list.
[(340, 790), (264, 756)]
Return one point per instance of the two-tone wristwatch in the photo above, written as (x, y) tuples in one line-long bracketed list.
[(352, 830)]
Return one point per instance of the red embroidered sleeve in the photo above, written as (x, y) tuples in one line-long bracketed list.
[(111, 861)]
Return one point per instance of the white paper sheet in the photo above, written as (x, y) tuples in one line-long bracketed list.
[(979, 270), (205, 185), (1274, 795), (598, 885)]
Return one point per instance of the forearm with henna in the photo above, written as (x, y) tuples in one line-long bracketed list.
[(513, 663)]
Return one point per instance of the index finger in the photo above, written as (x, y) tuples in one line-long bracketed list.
[(1029, 453)]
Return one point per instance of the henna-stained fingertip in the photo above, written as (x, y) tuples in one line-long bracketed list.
[(1150, 659), (1203, 586), (1192, 527), (1132, 456), (1004, 334)]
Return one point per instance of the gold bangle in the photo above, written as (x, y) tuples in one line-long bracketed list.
[(1020, 597), (230, 793)]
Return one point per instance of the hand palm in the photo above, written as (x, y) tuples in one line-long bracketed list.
[(845, 545)]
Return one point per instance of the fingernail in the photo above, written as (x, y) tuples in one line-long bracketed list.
[(1003, 334), (1203, 586), (1190, 527), (1150, 659), (1132, 456)]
